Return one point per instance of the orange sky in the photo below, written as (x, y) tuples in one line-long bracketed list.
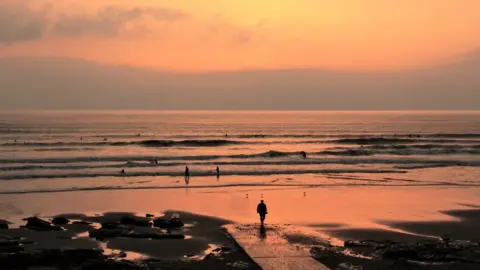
[(238, 34)]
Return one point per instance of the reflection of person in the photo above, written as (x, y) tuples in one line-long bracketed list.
[(262, 211)]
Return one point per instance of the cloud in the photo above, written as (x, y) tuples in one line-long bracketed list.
[(20, 24), (111, 20)]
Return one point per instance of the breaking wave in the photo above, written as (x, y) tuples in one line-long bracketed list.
[(147, 143)]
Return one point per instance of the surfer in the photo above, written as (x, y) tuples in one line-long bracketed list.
[(262, 211), (122, 171), (304, 154)]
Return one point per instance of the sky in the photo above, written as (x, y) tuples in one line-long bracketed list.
[(240, 54), (206, 35)]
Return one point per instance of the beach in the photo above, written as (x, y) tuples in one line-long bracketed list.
[(371, 184)]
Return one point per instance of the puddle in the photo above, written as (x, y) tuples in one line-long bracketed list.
[(118, 254), (82, 235), (210, 249)]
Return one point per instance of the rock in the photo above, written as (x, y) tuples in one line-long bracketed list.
[(5, 237), (104, 233), (37, 224), (81, 223), (168, 224), (5, 243), (149, 215), (240, 264), (176, 223), (349, 266), (365, 243), (122, 254), (115, 225), (3, 226), (209, 256), (10, 249), (135, 221), (398, 253), (60, 220), (161, 223), (226, 249), (35, 221)]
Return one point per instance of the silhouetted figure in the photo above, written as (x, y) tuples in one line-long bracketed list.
[(139, 135), (104, 139), (304, 154), (262, 211), (15, 141), (218, 172), (156, 161), (226, 135), (409, 135), (122, 171), (418, 136), (81, 138), (187, 173)]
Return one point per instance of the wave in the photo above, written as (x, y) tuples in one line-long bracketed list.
[(147, 143), (456, 135), (196, 173), (141, 162), (373, 140)]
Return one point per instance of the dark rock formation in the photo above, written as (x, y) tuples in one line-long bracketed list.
[(60, 220), (136, 221), (37, 224), (168, 224)]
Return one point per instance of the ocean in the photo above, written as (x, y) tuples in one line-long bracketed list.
[(56, 151)]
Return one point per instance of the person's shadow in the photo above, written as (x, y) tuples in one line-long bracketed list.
[(263, 232)]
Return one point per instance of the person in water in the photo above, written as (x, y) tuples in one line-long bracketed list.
[(122, 171), (187, 173), (218, 172), (262, 211)]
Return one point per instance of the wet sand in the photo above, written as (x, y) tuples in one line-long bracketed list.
[(319, 219)]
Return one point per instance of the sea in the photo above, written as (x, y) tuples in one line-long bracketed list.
[(59, 151)]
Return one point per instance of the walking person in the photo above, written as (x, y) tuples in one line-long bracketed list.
[(218, 172), (262, 211)]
